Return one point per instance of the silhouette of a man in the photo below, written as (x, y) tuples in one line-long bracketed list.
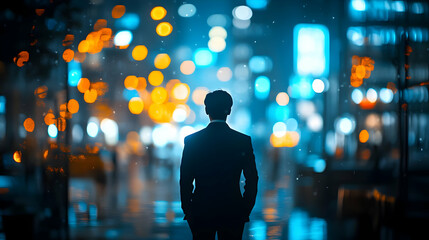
[(214, 158)]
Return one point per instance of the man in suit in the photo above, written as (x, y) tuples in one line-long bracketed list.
[(214, 158)]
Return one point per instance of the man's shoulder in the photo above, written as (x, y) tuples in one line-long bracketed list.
[(194, 135), (240, 135)]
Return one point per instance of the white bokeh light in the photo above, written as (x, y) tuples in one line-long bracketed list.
[(318, 86)]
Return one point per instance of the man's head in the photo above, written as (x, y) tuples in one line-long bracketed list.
[(218, 104)]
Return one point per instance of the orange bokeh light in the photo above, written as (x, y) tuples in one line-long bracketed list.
[(68, 40), (101, 23), (49, 118), (79, 57), (90, 96), (164, 29), (29, 125), (162, 61), (363, 136), (155, 78), (131, 82), (83, 85), (41, 92), (83, 46), (61, 124), (136, 105), (118, 11), (73, 106), (39, 11), (159, 95), (158, 13), (22, 58), (142, 84), (139, 52), (68, 55), (17, 156), (187, 67)]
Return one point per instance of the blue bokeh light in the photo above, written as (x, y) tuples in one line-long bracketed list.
[(262, 87), (75, 73), (128, 94), (257, 4), (203, 57), (129, 21)]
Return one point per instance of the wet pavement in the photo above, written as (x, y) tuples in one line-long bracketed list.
[(144, 205)]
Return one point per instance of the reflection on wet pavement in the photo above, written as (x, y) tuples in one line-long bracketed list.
[(135, 206)]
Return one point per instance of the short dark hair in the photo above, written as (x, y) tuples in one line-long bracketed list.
[(218, 104)]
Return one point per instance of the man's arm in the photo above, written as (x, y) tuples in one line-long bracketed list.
[(251, 182), (186, 178)]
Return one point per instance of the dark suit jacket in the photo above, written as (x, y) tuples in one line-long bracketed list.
[(215, 157)]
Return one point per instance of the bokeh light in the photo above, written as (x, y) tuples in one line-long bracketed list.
[(180, 91), (386, 95), (139, 52), (218, 31), (242, 12), (363, 136), (52, 131), (357, 96), (136, 105), (92, 128), (17, 156), (123, 38), (224, 74), (68, 55), (29, 124), (282, 99), (179, 115), (159, 95), (217, 44), (315, 122), (118, 11), (131, 82), (262, 87), (49, 118), (371, 95), (199, 95), (318, 86), (155, 78), (73, 106), (279, 129), (164, 29), (83, 85), (187, 67), (90, 96), (158, 13), (187, 10), (162, 61), (203, 57)]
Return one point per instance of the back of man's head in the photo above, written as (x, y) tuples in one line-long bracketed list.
[(218, 104)]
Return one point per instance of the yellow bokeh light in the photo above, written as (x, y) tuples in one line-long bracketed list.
[(131, 82), (199, 95), (90, 96), (68, 55), (156, 112), (29, 125), (17, 156), (139, 52), (282, 99), (187, 67), (83, 85), (363, 136), (162, 61), (73, 106), (118, 11), (159, 95), (290, 139), (164, 29), (141, 85), (155, 78), (158, 13), (181, 91), (136, 105)]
